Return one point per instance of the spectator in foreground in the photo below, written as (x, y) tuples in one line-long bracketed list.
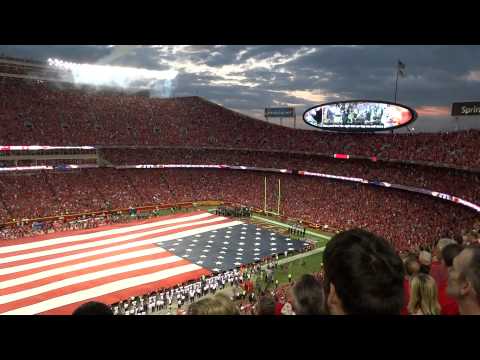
[(449, 253), (220, 304), (425, 260), (287, 309), (423, 296), (93, 308), (412, 268), (449, 305), (438, 271), (265, 306), (308, 298), (363, 275), (464, 281)]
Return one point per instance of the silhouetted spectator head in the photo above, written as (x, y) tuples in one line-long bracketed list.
[(93, 308), (412, 266), (220, 304), (437, 251), (449, 252), (363, 275), (464, 280), (308, 296), (425, 260), (265, 306)]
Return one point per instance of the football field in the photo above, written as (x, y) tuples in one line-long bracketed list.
[(55, 273)]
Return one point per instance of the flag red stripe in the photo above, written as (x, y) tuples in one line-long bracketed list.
[(36, 238), (105, 237), (73, 262), (53, 256), (86, 285), (67, 275), (70, 290)]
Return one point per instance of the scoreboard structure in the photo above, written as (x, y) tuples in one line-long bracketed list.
[(471, 108), (281, 112), (461, 109), (359, 116)]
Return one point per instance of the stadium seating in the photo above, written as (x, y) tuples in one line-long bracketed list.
[(455, 182), (406, 219), (38, 112)]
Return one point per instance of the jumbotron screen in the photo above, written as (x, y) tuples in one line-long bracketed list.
[(359, 115)]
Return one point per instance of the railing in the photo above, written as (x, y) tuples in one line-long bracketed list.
[(150, 208), (78, 216), (388, 185), (293, 152), (286, 219)]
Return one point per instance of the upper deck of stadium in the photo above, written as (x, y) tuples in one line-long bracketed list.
[(37, 109)]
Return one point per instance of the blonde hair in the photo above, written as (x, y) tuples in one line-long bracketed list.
[(217, 305), (423, 295), (425, 258)]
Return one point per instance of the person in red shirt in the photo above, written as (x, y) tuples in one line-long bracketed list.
[(412, 268), (278, 305), (448, 304), (437, 270)]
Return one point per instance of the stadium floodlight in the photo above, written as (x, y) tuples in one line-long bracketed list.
[(117, 76)]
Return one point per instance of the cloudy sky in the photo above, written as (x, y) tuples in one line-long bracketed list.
[(247, 78)]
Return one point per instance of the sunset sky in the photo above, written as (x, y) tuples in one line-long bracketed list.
[(247, 78)]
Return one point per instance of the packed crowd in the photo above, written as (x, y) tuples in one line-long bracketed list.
[(36, 71), (25, 228), (361, 274), (450, 181), (16, 158), (443, 279), (33, 112), (407, 219), (175, 300), (235, 211), (244, 285), (21, 60)]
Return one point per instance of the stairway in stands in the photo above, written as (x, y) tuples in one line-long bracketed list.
[(97, 190), (171, 190), (140, 196), (3, 204), (52, 189)]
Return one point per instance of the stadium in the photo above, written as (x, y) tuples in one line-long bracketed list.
[(152, 205)]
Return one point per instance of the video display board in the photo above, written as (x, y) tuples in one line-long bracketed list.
[(359, 115)]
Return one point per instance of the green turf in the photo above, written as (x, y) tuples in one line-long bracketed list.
[(321, 237), (297, 268)]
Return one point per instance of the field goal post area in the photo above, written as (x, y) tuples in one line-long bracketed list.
[(279, 197), (274, 218)]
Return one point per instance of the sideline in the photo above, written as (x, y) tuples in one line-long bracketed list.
[(286, 226)]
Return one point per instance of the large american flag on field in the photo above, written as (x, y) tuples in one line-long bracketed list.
[(56, 273)]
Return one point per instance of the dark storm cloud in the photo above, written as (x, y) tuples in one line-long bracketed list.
[(249, 77), (260, 52), (225, 55), (74, 53), (141, 57), (243, 97)]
